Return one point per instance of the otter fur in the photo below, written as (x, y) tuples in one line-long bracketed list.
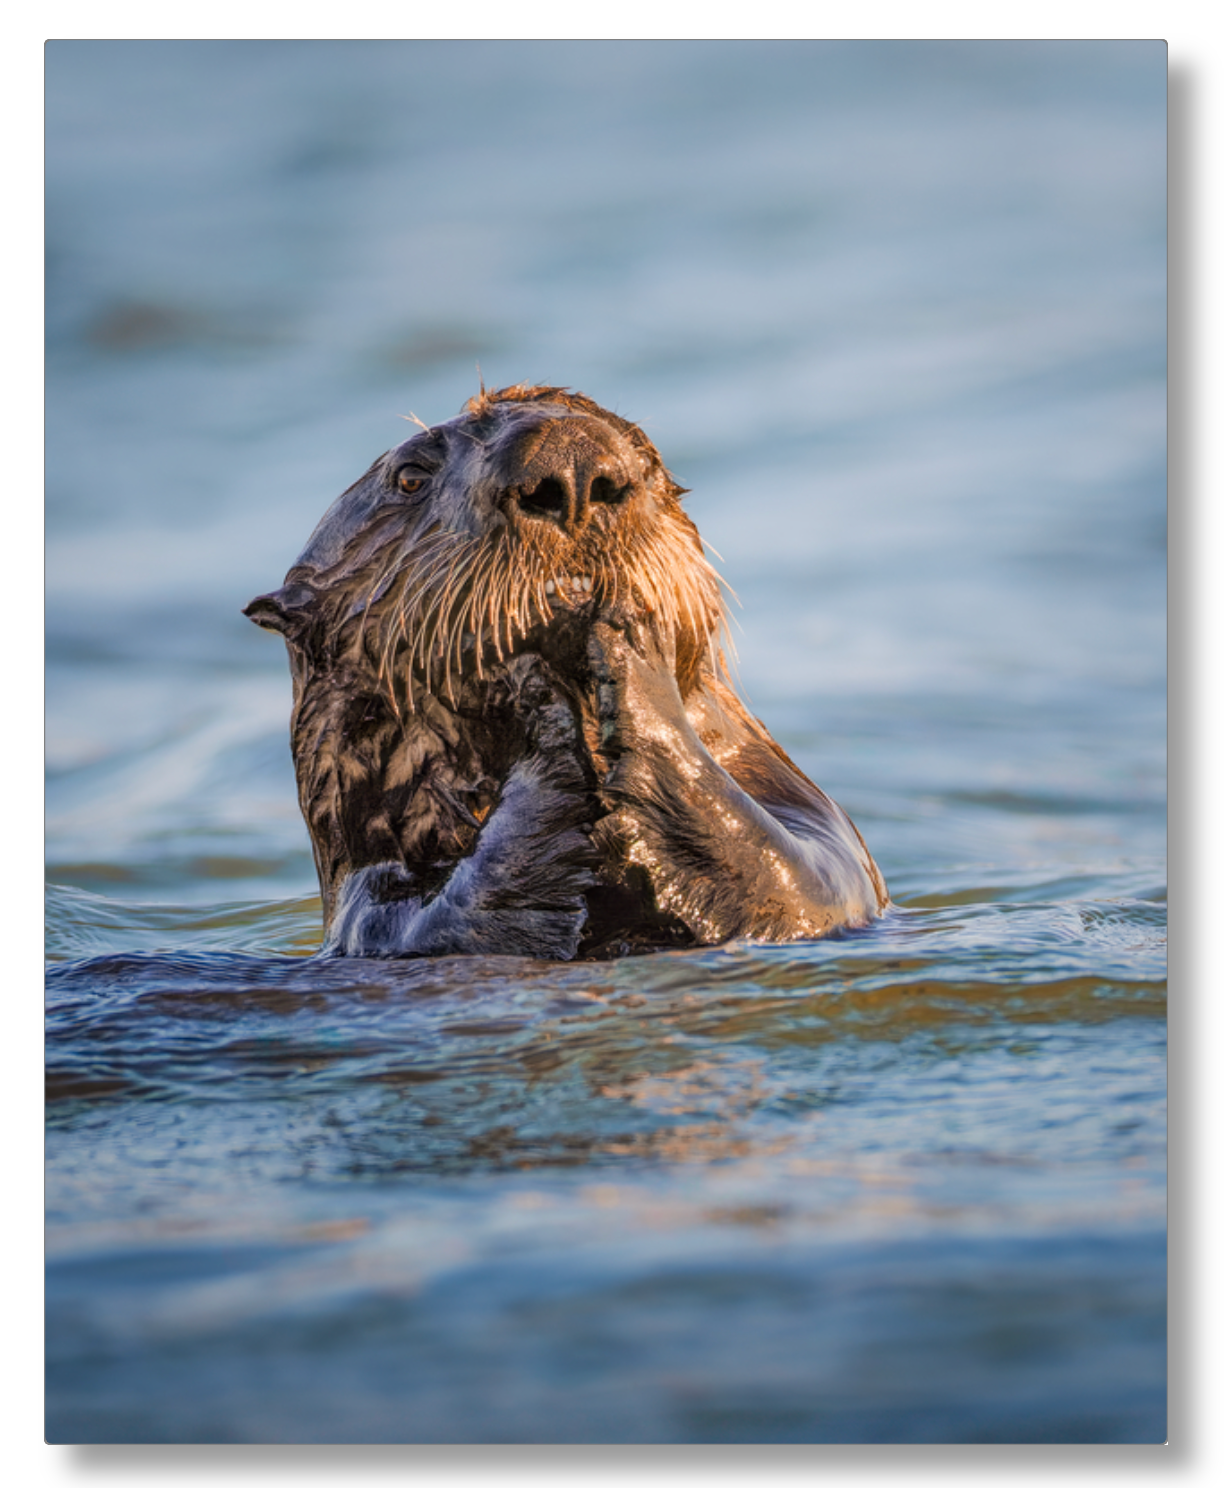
[(513, 730)]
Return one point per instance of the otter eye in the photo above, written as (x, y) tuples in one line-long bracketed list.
[(409, 482)]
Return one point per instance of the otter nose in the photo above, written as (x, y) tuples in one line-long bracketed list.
[(562, 470)]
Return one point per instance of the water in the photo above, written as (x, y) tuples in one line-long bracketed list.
[(896, 314)]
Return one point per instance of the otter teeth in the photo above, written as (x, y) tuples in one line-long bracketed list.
[(575, 583)]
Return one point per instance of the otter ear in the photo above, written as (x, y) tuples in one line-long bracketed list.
[(286, 610)]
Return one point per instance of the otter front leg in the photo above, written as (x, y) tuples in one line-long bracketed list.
[(521, 890), (717, 860)]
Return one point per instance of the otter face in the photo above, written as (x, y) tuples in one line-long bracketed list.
[(531, 513)]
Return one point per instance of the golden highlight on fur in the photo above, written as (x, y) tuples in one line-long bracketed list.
[(456, 603)]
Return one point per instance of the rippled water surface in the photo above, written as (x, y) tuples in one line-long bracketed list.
[(896, 315)]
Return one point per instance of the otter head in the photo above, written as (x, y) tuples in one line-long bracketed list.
[(507, 530), (532, 512)]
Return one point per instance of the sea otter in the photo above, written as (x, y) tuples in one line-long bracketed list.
[(513, 730)]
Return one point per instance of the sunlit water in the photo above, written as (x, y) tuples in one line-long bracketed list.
[(896, 314)]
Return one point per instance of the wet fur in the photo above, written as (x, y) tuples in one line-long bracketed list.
[(484, 768)]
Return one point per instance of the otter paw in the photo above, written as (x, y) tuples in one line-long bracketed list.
[(639, 707)]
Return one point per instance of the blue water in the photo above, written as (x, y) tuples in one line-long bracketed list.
[(896, 314)]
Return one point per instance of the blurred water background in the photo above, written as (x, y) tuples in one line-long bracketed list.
[(895, 313)]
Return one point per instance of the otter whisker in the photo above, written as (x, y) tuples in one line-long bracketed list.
[(472, 611), (440, 580), (371, 594), (504, 609), (436, 627), (521, 604), (424, 577), (453, 642), (495, 613), (396, 561), (541, 599), (482, 602), (416, 624)]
